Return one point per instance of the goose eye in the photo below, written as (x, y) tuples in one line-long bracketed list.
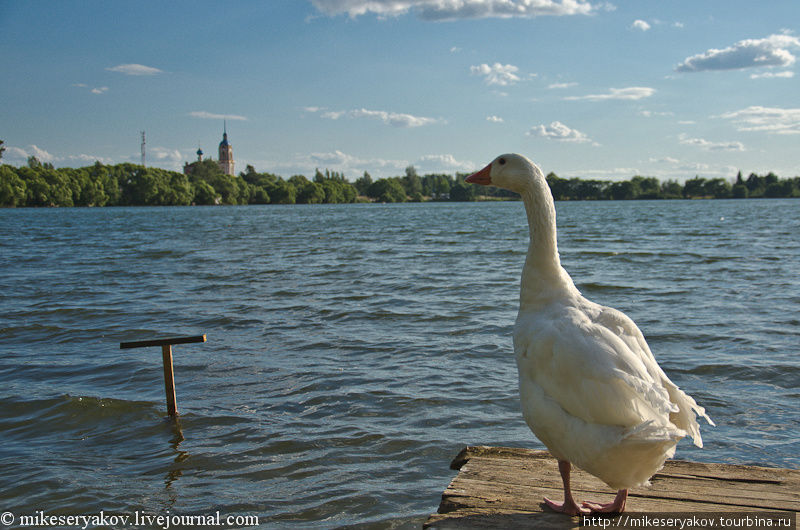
[(502, 161)]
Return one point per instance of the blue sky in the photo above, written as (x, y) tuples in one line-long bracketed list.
[(585, 88)]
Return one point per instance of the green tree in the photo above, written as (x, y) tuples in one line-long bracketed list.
[(623, 190), (281, 192), (559, 187), (412, 184), (648, 187), (12, 188), (363, 183), (779, 189), (436, 186), (204, 194), (755, 186), (310, 193), (717, 188), (462, 191), (387, 190), (671, 189), (694, 188), (2, 149), (739, 190)]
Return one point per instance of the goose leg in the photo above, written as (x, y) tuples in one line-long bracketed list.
[(569, 506), (617, 506)]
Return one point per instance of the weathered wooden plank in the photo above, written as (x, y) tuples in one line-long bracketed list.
[(499, 487), (751, 493), (467, 493)]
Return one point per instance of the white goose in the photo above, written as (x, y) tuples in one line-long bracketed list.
[(590, 388)]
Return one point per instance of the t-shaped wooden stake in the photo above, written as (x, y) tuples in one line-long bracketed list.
[(166, 354)]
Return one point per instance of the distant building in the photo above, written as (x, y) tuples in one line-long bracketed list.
[(225, 162), (226, 153)]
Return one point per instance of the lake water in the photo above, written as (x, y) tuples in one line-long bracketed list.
[(353, 350)]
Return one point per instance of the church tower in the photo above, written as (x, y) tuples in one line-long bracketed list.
[(226, 153)]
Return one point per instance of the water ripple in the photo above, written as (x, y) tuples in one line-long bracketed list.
[(353, 350)]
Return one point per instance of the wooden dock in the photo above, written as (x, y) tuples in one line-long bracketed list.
[(499, 487)]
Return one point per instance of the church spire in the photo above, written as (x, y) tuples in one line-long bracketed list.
[(226, 152)]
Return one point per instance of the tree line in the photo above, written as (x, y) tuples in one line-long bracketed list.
[(41, 184), (754, 187)]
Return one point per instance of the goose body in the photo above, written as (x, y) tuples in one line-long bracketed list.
[(590, 388)]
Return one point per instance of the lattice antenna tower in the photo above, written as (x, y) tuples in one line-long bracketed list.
[(143, 144)]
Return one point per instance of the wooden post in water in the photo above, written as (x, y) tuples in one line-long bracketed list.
[(166, 357)]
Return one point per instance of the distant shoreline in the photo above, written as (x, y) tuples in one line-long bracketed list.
[(99, 185)]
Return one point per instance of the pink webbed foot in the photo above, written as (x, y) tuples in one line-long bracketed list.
[(569, 507), (616, 506)]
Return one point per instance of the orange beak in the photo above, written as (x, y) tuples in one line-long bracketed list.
[(482, 177)]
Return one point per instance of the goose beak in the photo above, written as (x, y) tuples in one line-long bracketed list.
[(482, 177)]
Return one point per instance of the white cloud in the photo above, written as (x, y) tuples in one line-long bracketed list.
[(337, 160), (766, 119), (163, 154), (494, 119), (95, 90), (15, 153), (41, 154), (211, 116), (443, 162), (496, 74), (18, 155), (353, 166), (749, 53), (394, 119), (711, 146), (770, 75), (652, 113), (630, 93), (558, 131), (333, 115), (134, 69), (640, 25), (559, 86), (455, 9), (89, 159), (665, 160)]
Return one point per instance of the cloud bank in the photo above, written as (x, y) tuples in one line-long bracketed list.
[(711, 146), (558, 131), (496, 74), (134, 69), (630, 93), (772, 51), (435, 10), (772, 120), (395, 119), (211, 116)]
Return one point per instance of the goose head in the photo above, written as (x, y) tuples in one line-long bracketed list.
[(512, 172)]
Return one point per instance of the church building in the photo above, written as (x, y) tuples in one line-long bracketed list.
[(226, 153), (225, 161)]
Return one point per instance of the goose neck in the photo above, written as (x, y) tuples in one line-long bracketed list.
[(542, 273)]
